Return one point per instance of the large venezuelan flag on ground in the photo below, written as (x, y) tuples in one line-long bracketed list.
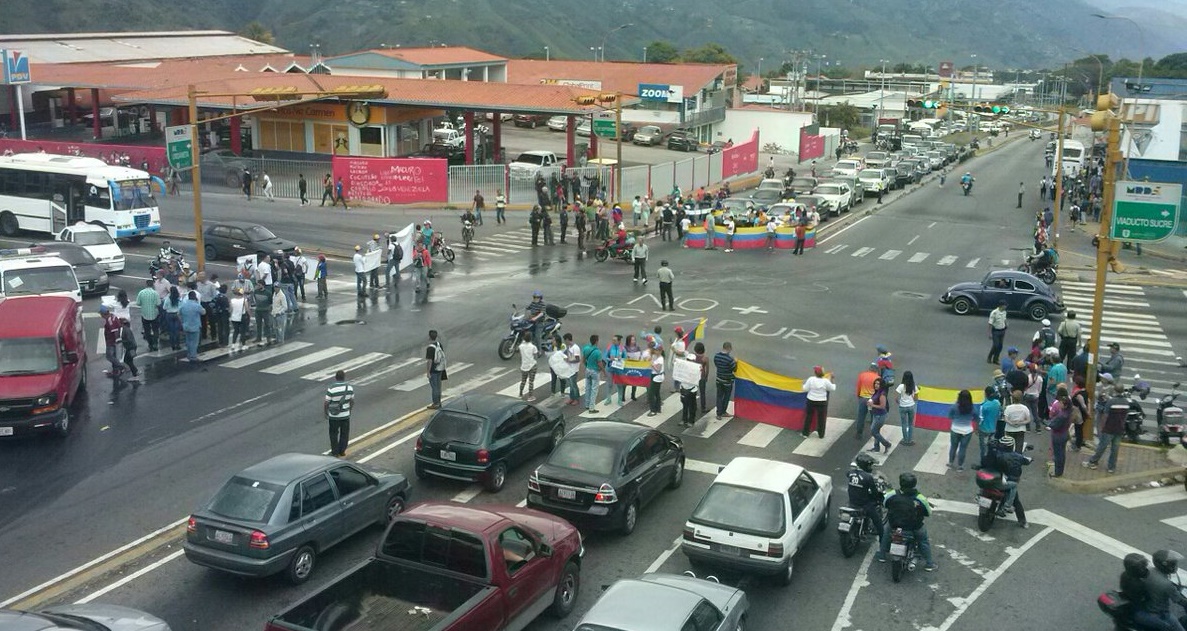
[(932, 405), (635, 372), (750, 238), (766, 397)]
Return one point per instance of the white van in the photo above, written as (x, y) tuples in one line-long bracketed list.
[(31, 272)]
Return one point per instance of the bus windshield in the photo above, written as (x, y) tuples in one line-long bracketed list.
[(1071, 153), (134, 194)]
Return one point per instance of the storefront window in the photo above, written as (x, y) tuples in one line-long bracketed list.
[(371, 141)]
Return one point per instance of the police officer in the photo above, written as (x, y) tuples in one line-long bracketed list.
[(865, 491), (906, 508)]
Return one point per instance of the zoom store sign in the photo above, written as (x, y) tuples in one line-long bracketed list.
[(661, 92)]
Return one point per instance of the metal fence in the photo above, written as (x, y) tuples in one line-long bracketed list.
[(285, 174), (635, 181), (715, 162), (684, 174), (661, 179), (465, 179)]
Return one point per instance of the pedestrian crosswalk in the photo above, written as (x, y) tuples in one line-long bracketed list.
[(511, 242), (1154, 499), (917, 258)]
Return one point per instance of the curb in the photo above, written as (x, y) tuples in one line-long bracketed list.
[(1105, 484)]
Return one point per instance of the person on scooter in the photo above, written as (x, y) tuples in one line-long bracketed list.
[(864, 492), (1155, 611), (966, 180), (906, 508)]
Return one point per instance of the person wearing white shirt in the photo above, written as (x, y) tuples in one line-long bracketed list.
[(818, 386), (268, 188), (238, 322), (528, 358), (685, 224), (1017, 417), (772, 224), (730, 227), (679, 349), (360, 274), (264, 271)]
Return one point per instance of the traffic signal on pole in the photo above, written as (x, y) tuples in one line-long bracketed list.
[(926, 104), (1105, 104), (586, 100)]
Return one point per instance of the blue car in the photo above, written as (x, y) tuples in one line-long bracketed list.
[(1024, 295)]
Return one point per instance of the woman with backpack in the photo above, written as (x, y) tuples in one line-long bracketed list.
[(878, 405), (905, 394)]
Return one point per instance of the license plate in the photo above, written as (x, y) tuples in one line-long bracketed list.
[(222, 536), (448, 455), (844, 526), (566, 494), (898, 549), (984, 501), (734, 550), (5, 431)]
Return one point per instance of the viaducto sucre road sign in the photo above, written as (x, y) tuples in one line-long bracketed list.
[(1145, 211)]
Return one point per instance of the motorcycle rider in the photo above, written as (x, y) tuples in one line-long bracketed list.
[(536, 315), (167, 252), (864, 490), (1005, 460), (1133, 580), (906, 508), (468, 217), (1154, 612), (966, 180), (1046, 257), (426, 232)]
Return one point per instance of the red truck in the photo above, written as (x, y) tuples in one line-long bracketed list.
[(443, 566)]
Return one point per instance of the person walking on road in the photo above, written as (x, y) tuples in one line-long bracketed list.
[(267, 186), (579, 226), (245, 179), (639, 255), (665, 276), (340, 194), (818, 387), (546, 226), (1021, 192), (710, 231), (879, 405), (479, 206), (529, 357), (303, 189), (435, 368), (327, 190), (730, 227), (534, 220), (112, 329), (564, 221), (595, 368), (373, 246), (319, 275), (301, 270), (997, 332), (421, 262), (500, 207), (191, 313), (337, 407), (1111, 430), (1017, 417), (654, 404), (149, 302), (726, 367), (395, 253)]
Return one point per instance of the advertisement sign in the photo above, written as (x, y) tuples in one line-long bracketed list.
[(1145, 211), (661, 92), (740, 159), (393, 180), (574, 83), (16, 67)]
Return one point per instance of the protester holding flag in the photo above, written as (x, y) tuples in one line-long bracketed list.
[(615, 357)]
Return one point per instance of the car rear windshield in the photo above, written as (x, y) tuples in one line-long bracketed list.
[(590, 456), (447, 427), (92, 237), (246, 500), (874, 173), (451, 549), (28, 356), (741, 509), (74, 256), (828, 190), (35, 281)]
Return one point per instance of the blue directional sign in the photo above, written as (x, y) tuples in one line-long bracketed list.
[(16, 67)]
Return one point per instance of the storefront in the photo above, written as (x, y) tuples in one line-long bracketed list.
[(361, 129)]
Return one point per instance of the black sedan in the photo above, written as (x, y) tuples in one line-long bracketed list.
[(92, 280), (683, 141), (1022, 293), (233, 239), (603, 472), (279, 515), (479, 437), (766, 198)]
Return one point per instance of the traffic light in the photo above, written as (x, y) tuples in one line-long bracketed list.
[(586, 100), (926, 104), (1105, 104)]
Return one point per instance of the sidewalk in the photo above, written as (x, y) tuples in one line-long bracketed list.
[(1136, 464)]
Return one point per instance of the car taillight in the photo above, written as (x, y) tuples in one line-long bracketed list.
[(258, 540), (689, 533), (191, 526), (775, 550), (534, 482), (483, 456), (606, 495), (419, 444)]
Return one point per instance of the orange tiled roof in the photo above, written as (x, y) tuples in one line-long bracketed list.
[(471, 95), (615, 76), (155, 74), (438, 55)]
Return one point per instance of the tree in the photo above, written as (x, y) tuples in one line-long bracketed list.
[(837, 72), (256, 31), (843, 115), (662, 52), (711, 53)]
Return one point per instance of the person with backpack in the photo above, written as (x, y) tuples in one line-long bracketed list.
[(435, 368), (337, 408), (885, 364), (128, 341), (395, 254)]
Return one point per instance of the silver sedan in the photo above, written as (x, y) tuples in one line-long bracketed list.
[(667, 602)]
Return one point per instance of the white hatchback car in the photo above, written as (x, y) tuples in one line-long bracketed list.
[(756, 515), (98, 242), (848, 168)]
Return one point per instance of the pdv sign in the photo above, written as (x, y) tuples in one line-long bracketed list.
[(16, 67), (1145, 211)]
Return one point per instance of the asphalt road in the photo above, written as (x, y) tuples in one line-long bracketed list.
[(141, 457)]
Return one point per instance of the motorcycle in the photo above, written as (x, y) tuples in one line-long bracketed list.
[(611, 249), (467, 232), (854, 525), (1120, 610), (1169, 417), (1134, 417), (990, 495), (1045, 273), (904, 553), (967, 186), (184, 273), (440, 247), (549, 337)]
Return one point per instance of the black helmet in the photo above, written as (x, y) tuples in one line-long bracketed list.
[(907, 482), (1136, 565), (865, 462), (1167, 561)]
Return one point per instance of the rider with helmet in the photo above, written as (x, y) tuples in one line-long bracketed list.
[(906, 508), (967, 179), (1133, 580), (865, 491), (1155, 611), (1005, 460), (536, 315)]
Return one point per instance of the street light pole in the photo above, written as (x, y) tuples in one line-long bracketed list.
[(609, 33), (547, 56), (644, 54), (1141, 68)]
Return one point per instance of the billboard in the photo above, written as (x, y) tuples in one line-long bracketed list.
[(16, 67), (661, 92), (945, 69), (393, 180)]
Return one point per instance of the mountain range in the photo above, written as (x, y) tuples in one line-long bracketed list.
[(1003, 34)]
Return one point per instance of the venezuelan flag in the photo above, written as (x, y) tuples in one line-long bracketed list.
[(635, 372), (932, 405), (766, 397), (695, 333)]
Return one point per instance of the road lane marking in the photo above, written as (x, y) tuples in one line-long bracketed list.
[(388, 447), (894, 434), (700, 466), (301, 362), (841, 231), (836, 248), (946, 260), (890, 255), (913, 240), (1148, 497), (761, 436), (862, 251), (932, 225), (421, 381), (663, 557), (670, 405), (129, 578), (477, 382), (353, 364), (1092, 286), (709, 423), (261, 356), (935, 459), (973, 263), (467, 494), (861, 579), (918, 257), (817, 447), (1177, 522)]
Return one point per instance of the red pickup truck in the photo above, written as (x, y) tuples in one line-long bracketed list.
[(443, 566)]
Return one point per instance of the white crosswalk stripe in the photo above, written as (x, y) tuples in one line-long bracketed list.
[(890, 255), (918, 257), (946, 260), (972, 263), (422, 380), (265, 355), (352, 364), (301, 362), (862, 251)]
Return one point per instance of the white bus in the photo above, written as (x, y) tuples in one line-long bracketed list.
[(1072, 159), (44, 192)]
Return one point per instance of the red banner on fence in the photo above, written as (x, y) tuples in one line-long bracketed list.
[(138, 155), (810, 146), (393, 180), (740, 158)]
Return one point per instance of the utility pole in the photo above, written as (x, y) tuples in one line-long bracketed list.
[(1058, 178), (1104, 245)]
